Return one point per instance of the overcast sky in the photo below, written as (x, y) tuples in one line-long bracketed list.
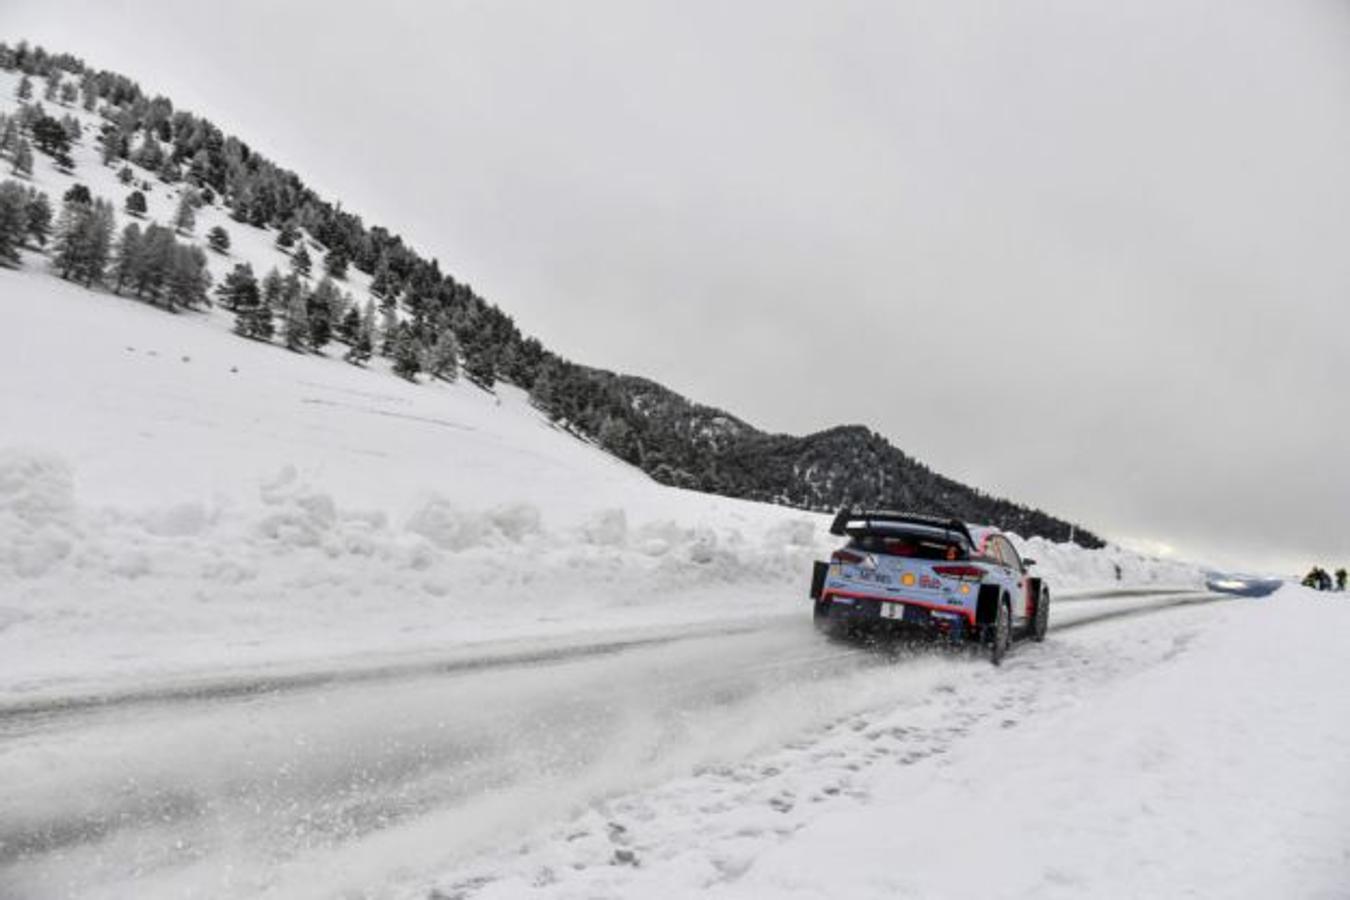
[(1089, 255)]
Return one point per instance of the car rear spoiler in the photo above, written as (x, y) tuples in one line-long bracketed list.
[(849, 521)]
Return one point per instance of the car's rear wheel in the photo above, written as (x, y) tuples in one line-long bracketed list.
[(1040, 623), (1001, 633), (831, 625)]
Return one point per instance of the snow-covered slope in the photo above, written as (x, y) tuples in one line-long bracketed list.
[(173, 497)]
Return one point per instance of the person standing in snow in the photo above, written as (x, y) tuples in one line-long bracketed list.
[(1340, 578), (1317, 579)]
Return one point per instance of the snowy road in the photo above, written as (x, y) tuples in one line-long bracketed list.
[(319, 782)]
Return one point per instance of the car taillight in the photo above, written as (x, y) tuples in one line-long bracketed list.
[(963, 572), (843, 556)]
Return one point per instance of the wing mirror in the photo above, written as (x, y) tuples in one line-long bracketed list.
[(1028, 563)]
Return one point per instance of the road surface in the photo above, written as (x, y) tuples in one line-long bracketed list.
[(325, 781)]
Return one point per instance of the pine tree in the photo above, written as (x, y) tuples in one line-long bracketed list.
[(189, 279), (84, 241), (78, 193), (388, 331), (39, 217), (361, 349), (286, 238), (49, 136), (240, 292), (13, 220), (543, 391), (149, 156), (98, 239), (350, 327), (152, 269), (480, 361), (335, 264), (135, 204), (239, 289), (407, 358), (442, 357), (25, 89), (185, 216), (319, 311), (364, 345), (69, 93), (72, 126), (295, 331), (218, 239), (9, 135), (200, 168), (53, 83), (68, 249), (112, 145), (300, 262), (125, 175), (256, 323), (128, 257), (273, 288), (23, 159), (380, 285)]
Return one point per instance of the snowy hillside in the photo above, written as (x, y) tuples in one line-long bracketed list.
[(172, 496), (412, 315), (179, 498)]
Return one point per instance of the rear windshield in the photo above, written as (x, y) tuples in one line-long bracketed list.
[(916, 546)]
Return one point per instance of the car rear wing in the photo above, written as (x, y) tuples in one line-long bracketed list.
[(855, 522)]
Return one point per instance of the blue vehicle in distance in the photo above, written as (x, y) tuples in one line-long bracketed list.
[(906, 572)]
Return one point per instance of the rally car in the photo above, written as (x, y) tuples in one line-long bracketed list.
[(904, 571)]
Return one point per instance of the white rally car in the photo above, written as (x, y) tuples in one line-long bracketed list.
[(942, 576)]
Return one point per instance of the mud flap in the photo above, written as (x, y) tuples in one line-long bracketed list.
[(1033, 597), (818, 574), (986, 605)]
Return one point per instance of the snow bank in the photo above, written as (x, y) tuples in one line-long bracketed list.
[(1073, 569), (291, 573), (37, 512)]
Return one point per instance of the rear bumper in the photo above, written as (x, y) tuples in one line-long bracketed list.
[(862, 611), (915, 610)]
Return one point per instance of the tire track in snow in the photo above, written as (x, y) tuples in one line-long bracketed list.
[(383, 750)]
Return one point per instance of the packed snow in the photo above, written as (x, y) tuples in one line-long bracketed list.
[(1200, 752)]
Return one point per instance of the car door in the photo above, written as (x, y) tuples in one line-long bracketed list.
[(1017, 579), (999, 567)]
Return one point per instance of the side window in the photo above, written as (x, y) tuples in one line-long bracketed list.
[(1009, 554), (991, 549)]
